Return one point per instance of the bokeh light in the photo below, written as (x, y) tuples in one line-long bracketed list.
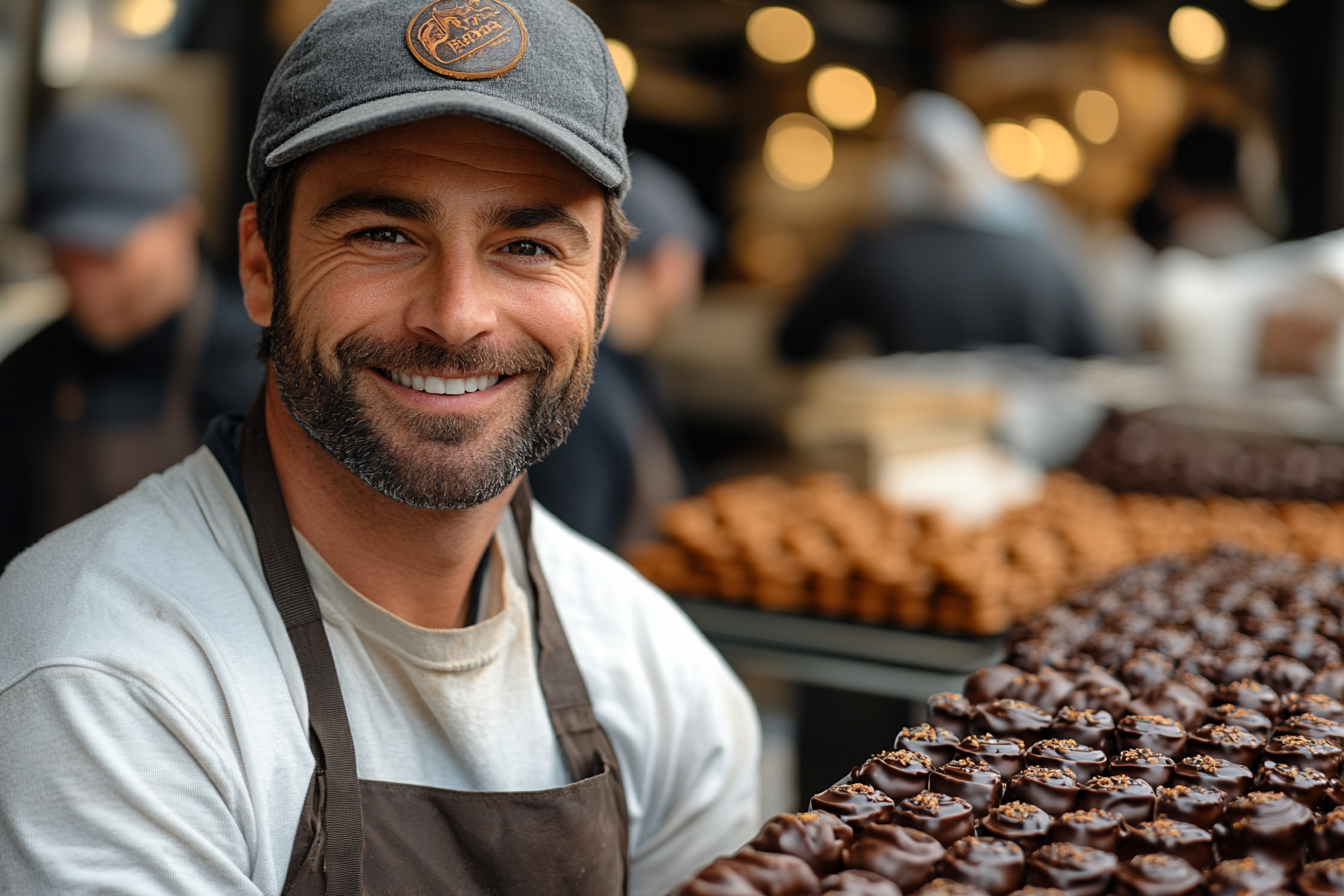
[(841, 96), (1096, 115), (626, 65), (780, 34), (144, 18), (1267, 4), (1014, 150), (1063, 160), (1197, 35), (799, 151), (1026, 3)]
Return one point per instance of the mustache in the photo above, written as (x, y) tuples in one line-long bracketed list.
[(362, 350)]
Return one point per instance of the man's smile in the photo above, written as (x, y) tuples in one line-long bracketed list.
[(439, 385)]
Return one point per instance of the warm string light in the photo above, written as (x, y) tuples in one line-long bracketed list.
[(1014, 150), (1197, 35), (780, 34), (144, 18), (627, 67), (1062, 161), (842, 96), (1096, 115), (799, 151)]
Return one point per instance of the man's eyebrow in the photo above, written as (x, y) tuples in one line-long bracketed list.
[(523, 218), (426, 211)]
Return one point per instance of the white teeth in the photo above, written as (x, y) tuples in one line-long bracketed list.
[(418, 383), (456, 387), (473, 383), (404, 379), (435, 385)]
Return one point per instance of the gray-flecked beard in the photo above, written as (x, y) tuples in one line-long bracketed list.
[(324, 402)]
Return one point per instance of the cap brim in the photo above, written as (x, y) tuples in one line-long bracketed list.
[(387, 112), (99, 228)]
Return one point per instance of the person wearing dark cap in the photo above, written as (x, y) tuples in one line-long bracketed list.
[(153, 345), (624, 459), (339, 649)]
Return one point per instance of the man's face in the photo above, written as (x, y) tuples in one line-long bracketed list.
[(436, 329)]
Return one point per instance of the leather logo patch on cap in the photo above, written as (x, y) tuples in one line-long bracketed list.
[(467, 39)]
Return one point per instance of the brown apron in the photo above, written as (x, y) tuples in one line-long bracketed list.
[(84, 466), (374, 837)]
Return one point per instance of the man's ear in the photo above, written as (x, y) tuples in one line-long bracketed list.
[(612, 286), (254, 268)]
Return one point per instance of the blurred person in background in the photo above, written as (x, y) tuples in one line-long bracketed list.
[(153, 345), (1197, 202), (624, 460), (968, 258)]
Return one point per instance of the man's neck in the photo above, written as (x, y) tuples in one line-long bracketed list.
[(416, 564)]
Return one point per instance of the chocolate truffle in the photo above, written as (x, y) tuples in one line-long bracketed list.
[(947, 818), (1304, 752), (1077, 870), (1228, 666), (1113, 699), (902, 855), (1084, 762), (1325, 878), (1328, 681), (1326, 840), (897, 773), (1250, 694), (859, 883), (1252, 720), (1264, 825), (976, 782), (1285, 674), (938, 744), (941, 886), (1197, 805), (1197, 683), (1054, 790), (951, 712), (1215, 774), (995, 866), (1089, 727), (1228, 742), (1038, 891), (1047, 688), (1004, 753), (1313, 726), (1306, 785), (1145, 669), (1130, 798), (1011, 718), (762, 872), (1173, 700), (1174, 838), (818, 838), (1146, 765), (857, 805), (1334, 795), (1021, 823), (987, 683), (1157, 875), (1318, 705), (1250, 876), (1093, 828), (1157, 733)]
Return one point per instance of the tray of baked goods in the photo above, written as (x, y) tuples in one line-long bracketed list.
[(1173, 730), (821, 547)]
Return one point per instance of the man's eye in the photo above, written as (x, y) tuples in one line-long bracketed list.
[(526, 248), (385, 235)]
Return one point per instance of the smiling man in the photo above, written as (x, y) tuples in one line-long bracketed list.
[(338, 650)]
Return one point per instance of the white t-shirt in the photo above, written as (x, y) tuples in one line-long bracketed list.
[(153, 721)]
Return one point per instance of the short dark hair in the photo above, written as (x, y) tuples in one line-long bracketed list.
[(275, 209)]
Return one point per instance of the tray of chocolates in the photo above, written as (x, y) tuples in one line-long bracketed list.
[(1175, 731)]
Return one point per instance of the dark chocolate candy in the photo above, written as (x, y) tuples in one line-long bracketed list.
[(1054, 790), (1199, 806), (1173, 838), (976, 782), (1011, 718), (1130, 798), (1251, 694), (1145, 669), (1172, 700), (1113, 699), (1146, 765), (1306, 785), (857, 805), (1197, 683), (1252, 720), (938, 744), (1264, 825), (1328, 681), (1324, 878), (1022, 823), (1316, 650), (1334, 795), (859, 883), (987, 683), (1304, 752), (1077, 870), (1004, 753), (1229, 666), (1093, 828), (1313, 726), (1046, 688), (951, 712), (1157, 875), (1157, 733), (1319, 705), (903, 855), (1285, 674), (947, 818), (1215, 774), (1326, 840), (818, 838), (1038, 891), (773, 873), (897, 773), (1084, 762), (1230, 742), (995, 866), (1089, 727), (941, 886), (1249, 875)]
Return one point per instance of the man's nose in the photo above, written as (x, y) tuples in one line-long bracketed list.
[(458, 303)]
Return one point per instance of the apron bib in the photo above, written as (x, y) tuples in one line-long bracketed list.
[(374, 837)]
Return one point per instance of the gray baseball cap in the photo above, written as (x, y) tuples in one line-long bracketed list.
[(96, 172), (538, 66)]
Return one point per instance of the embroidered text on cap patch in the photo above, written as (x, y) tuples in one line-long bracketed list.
[(467, 39)]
